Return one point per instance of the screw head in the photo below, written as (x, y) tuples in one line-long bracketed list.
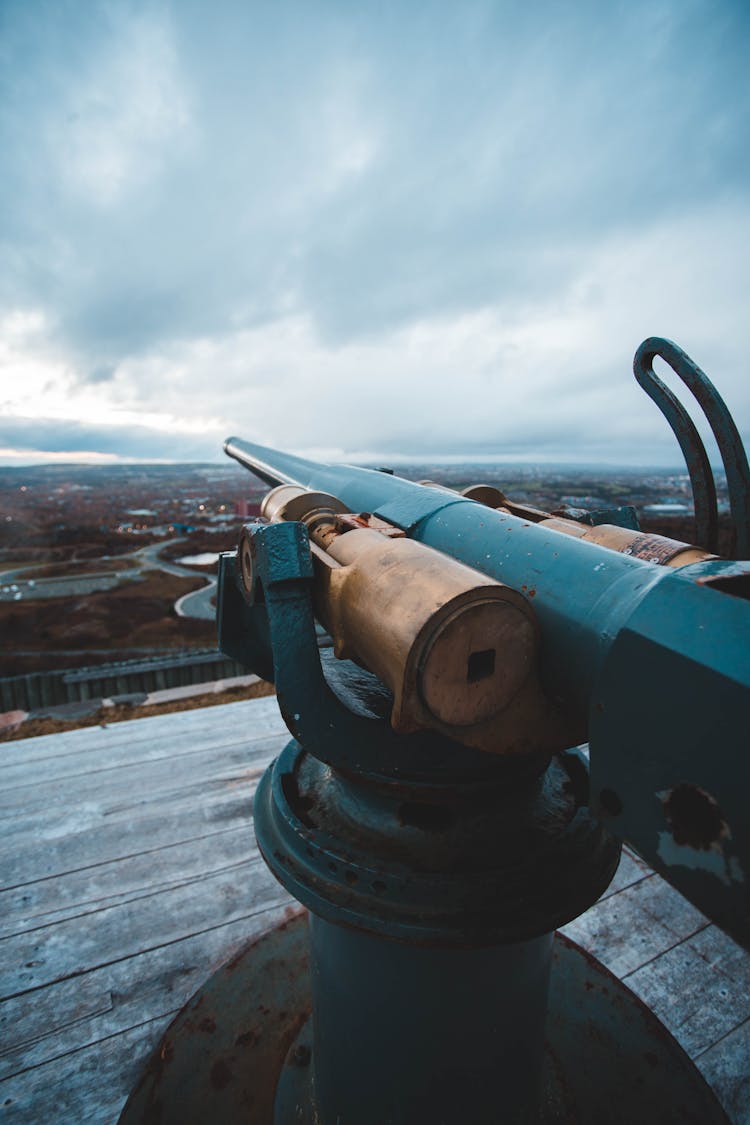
[(301, 1055)]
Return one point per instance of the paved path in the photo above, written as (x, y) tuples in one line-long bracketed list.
[(149, 557), (197, 604)]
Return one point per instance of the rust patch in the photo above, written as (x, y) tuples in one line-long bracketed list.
[(738, 585), (221, 1075), (247, 1038), (235, 961), (290, 914), (694, 817), (207, 1024), (295, 1026), (654, 548)]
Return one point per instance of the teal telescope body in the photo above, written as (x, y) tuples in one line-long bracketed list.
[(651, 663)]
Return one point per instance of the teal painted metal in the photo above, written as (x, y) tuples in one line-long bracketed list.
[(450, 863), (243, 1049), (725, 431), (421, 862), (450, 1029), (667, 762), (684, 429), (654, 662)]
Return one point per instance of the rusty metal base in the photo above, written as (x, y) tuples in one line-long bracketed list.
[(243, 1046)]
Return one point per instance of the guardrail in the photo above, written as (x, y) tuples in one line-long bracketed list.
[(36, 690)]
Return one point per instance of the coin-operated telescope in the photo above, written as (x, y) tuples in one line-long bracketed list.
[(434, 811)]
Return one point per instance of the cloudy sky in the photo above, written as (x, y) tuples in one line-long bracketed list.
[(356, 229)]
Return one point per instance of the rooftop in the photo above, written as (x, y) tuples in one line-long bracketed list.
[(129, 871)]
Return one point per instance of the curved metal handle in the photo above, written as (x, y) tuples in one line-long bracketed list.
[(723, 428)]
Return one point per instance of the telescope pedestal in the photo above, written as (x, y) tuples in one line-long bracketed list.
[(242, 1049), (435, 876)]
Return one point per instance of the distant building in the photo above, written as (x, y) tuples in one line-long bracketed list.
[(246, 509)]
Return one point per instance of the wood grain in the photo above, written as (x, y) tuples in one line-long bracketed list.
[(128, 871)]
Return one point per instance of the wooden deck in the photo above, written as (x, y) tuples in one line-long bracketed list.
[(129, 870)]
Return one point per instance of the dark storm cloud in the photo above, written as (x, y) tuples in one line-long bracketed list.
[(50, 435), (32, 439), (522, 141), (103, 374), (503, 137), (178, 173)]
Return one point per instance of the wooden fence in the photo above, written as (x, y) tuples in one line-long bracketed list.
[(37, 690)]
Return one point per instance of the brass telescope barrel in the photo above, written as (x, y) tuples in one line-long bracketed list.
[(456, 648)]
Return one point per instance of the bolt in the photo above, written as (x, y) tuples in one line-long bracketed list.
[(301, 1055)]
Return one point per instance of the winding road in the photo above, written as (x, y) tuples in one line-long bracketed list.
[(197, 604)]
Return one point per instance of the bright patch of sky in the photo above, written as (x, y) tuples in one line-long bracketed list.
[(411, 230)]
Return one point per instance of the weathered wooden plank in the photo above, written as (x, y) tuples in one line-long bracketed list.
[(247, 716), (98, 816), (54, 1013), (120, 996), (31, 961), (104, 884), (22, 779), (86, 1086), (630, 870), (719, 951), (141, 945), (126, 785), (98, 740), (726, 1066), (100, 838), (62, 810), (700, 996), (25, 782), (626, 930), (70, 808)]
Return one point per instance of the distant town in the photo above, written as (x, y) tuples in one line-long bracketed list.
[(102, 563)]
